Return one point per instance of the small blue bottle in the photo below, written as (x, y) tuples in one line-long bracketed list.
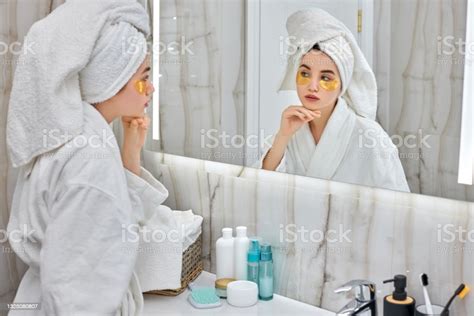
[(265, 273), (253, 256)]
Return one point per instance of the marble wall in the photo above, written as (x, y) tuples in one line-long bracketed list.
[(387, 232), (420, 79), (201, 60)]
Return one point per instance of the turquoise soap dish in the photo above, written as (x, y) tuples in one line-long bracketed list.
[(204, 297)]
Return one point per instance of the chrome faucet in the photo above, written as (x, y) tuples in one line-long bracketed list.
[(364, 301)]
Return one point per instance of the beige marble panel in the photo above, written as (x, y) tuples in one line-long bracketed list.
[(420, 84), (201, 89)]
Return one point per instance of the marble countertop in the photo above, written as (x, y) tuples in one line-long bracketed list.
[(178, 305)]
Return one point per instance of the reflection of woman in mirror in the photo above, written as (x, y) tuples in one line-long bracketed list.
[(333, 134)]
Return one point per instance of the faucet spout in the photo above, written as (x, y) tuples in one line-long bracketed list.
[(355, 308), (365, 298)]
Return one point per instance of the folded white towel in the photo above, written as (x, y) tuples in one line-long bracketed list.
[(159, 262), (160, 252), (190, 226), (46, 104)]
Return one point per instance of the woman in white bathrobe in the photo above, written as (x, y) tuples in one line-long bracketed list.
[(78, 200), (333, 134)]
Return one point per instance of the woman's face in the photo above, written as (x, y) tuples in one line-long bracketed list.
[(318, 81), (136, 94)]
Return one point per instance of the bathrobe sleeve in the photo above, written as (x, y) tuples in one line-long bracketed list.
[(87, 258), (393, 176), (146, 193), (281, 166)]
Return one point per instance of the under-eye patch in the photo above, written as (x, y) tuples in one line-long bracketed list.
[(303, 78), (140, 86), (329, 85)]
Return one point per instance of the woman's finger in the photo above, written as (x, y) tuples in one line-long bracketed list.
[(127, 119), (145, 122), (308, 112), (302, 110), (300, 115), (294, 112)]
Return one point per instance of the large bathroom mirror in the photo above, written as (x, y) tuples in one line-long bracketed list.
[(383, 107)]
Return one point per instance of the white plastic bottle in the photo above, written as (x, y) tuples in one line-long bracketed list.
[(241, 247), (225, 255)]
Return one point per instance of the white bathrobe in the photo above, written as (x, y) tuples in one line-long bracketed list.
[(76, 203), (352, 149)]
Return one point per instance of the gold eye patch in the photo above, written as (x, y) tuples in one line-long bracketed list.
[(329, 85), (140, 85), (304, 78)]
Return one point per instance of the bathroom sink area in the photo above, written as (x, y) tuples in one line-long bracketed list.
[(178, 305)]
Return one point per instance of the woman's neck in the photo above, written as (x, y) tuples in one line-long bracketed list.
[(104, 110), (318, 125)]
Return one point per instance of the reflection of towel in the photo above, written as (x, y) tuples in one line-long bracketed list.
[(46, 105), (190, 226), (308, 27)]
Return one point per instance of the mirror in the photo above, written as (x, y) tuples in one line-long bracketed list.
[(383, 107)]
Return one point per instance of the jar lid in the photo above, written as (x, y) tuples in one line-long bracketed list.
[(222, 283), (242, 293)]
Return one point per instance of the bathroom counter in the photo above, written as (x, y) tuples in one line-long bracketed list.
[(178, 305)]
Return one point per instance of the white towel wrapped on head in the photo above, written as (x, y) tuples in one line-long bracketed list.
[(77, 56), (315, 26)]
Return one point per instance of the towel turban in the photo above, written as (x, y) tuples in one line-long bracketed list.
[(315, 26)]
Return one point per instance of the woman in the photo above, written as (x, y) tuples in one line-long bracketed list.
[(77, 195), (333, 135)]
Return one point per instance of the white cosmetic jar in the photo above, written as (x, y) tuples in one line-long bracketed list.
[(242, 293)]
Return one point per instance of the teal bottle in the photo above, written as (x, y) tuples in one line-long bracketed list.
[(265, 273), (253, 256)]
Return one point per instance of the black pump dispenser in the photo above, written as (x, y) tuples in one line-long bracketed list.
[(399, 303), (400, 282)]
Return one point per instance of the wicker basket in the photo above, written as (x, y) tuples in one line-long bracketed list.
[(192, 267)]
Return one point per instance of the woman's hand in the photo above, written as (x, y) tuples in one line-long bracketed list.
[(291, 120), (135, 129), (294, 117)]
